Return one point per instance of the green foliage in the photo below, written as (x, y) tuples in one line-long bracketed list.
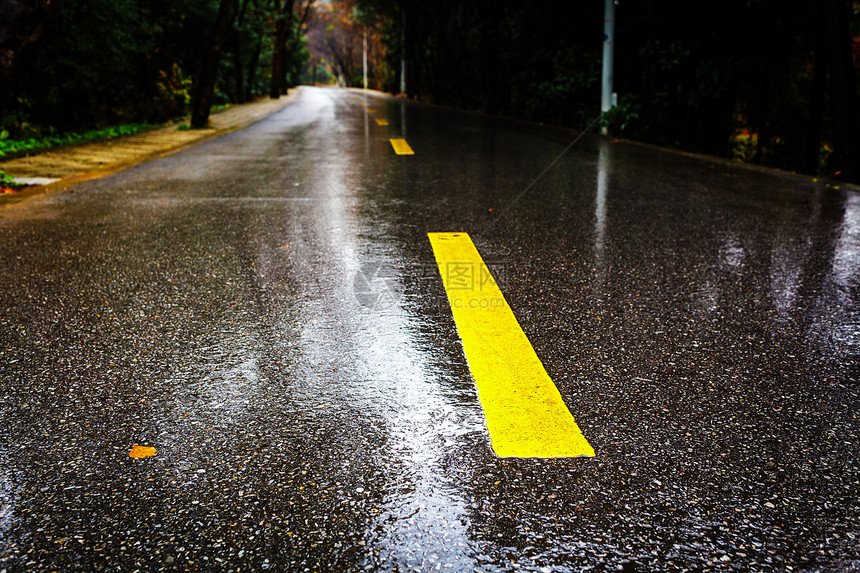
[(174, 91), (624, 118), (298, 56), (13, 146), (115, 62), (568, 94), (91, 66), (747, 67), (744, 146)]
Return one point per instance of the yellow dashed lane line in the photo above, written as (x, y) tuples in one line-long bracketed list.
[(526, 416), (401, 147), (380, 121)]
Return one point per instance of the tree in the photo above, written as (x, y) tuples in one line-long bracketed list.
[(768, 80), (251, 31), (337, 36), (843, 91), (284, 15), (289, 66), (22, 22), (202, 102), (100, 63), (238, 54)]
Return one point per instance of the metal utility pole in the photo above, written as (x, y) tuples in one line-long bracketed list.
[(403, 54), (607, 98), (364, 60)]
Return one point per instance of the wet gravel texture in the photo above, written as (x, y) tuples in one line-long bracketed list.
[(264, 310)]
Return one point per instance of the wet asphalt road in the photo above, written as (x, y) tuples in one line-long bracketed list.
[(264, 310)]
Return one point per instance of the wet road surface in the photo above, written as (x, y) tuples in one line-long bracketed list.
[(265, 311)]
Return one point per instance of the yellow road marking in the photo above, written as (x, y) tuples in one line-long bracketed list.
[(380, 121), (401, 147), (526, 416)]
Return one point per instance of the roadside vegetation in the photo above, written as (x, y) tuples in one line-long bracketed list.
[(72, 72), (774, 83), (767, 82), (8, 183), (19, 146)]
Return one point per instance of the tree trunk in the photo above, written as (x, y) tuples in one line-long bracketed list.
[(238, 57), (278, 54), (21, 24), (239, 70), (294, 36), (812, 146), (761, 117), (202, 104), (252, 71), (843, 96), (285, 12), (285, 69), (413, 64), (341, 62)]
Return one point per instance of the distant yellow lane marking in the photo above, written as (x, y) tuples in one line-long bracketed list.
[(370, 110), (380, 121), (401, 147), (525, 414)]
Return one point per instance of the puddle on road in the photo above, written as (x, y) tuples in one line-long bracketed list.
[(389, 368), (425, 521), (846, 260)]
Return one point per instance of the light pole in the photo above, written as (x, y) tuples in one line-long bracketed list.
[(403, 54), (364, 59), (607, 98)]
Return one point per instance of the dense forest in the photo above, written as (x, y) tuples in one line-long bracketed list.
[(774, 83), (771, 82), (73, 64)]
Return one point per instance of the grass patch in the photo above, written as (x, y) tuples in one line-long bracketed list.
[(8, 183), (10, 146)]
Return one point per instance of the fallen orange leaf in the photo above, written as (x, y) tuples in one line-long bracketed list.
[(141, 452)]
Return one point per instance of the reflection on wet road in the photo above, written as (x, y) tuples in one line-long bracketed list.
[(388, 369), (7, 499), (265, 310)]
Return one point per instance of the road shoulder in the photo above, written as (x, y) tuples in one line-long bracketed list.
[(66, 166)]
